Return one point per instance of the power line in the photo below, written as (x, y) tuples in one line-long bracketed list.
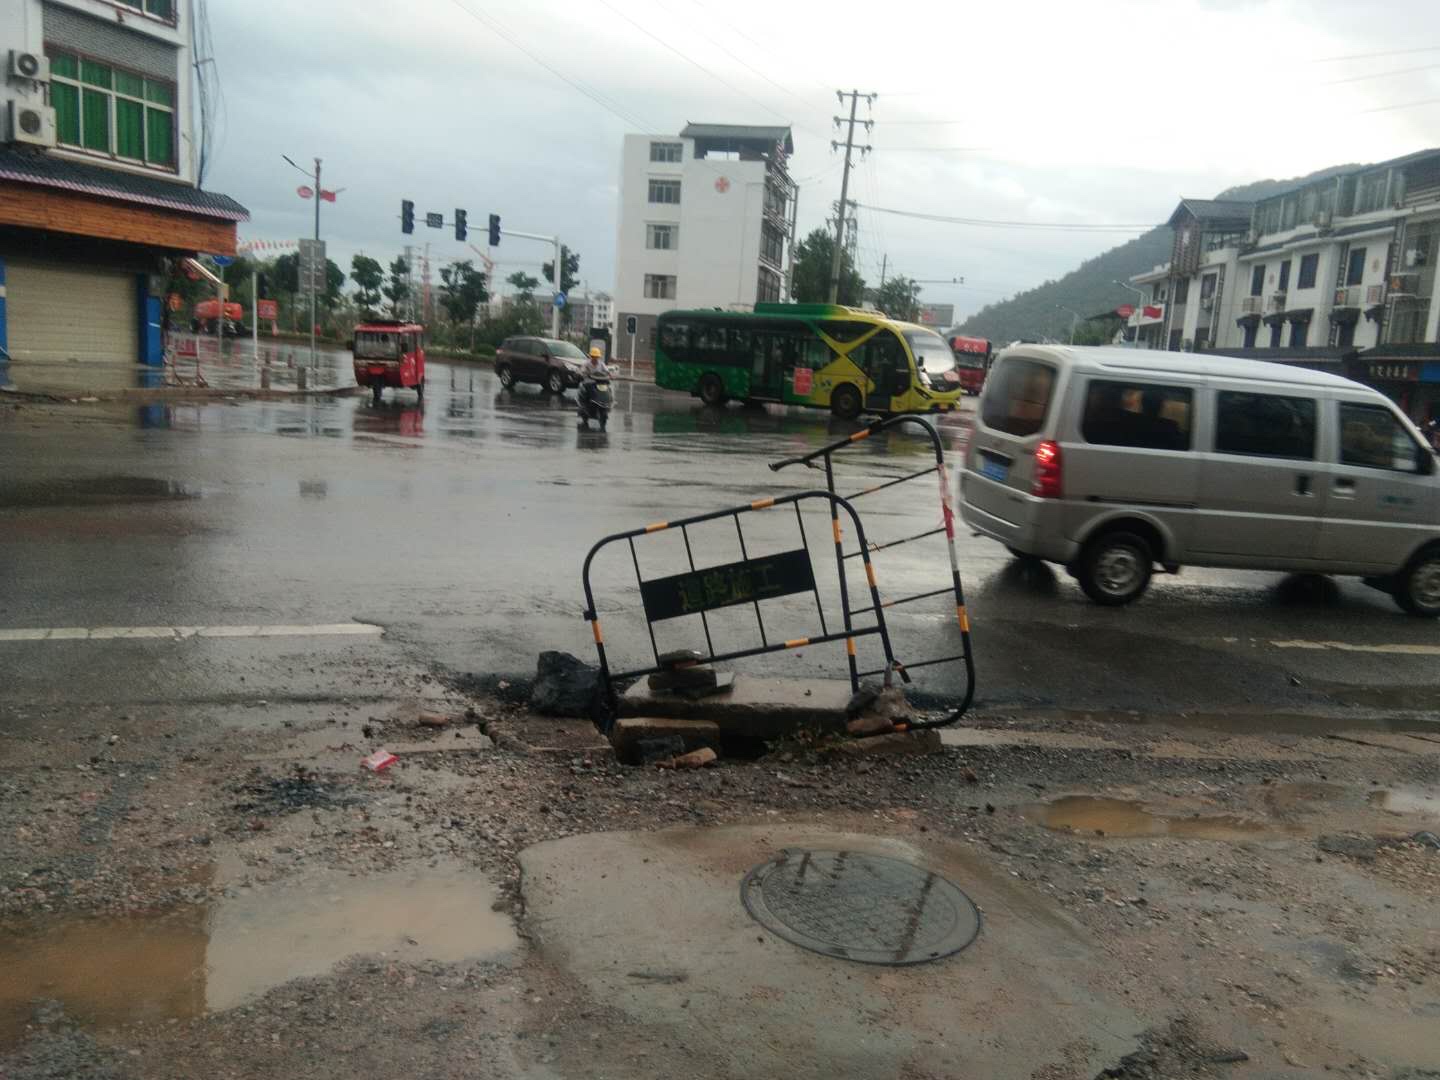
[(1381, 75), (934, 149), (691, 61), (1374, 55), (1073, 226), (1403, 105)]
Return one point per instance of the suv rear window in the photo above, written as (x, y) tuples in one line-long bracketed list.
[(1136, 414), (1017, 397)]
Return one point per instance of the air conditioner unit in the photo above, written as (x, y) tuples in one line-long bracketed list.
[(1207, 303), (34, 124), (1374, 294), (28, 65), (1322, 220), (1252, 238)]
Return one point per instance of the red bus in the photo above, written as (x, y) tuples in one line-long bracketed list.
[(972, 362)]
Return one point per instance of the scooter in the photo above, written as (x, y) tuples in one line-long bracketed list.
[(595, 401)]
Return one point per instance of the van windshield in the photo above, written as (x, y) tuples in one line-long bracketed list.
[(1017, 397)]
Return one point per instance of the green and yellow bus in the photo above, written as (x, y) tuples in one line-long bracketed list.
[(822, 355)]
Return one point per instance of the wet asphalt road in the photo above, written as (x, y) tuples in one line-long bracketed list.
[(460, 526)]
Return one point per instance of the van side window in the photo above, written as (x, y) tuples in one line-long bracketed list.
[(1017, 398), (1137, 414), (1371, 437), (1265, 425)]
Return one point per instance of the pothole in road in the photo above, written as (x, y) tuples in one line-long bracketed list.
[(184, 962), (1125, 818)]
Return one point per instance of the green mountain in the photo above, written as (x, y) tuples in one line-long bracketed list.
[(1091, 288)]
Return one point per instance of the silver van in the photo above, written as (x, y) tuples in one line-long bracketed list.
[(1116, 462)]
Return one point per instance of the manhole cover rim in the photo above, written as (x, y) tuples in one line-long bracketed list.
[(967, 920)]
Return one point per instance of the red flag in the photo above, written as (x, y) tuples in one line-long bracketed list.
[(1152, 312), (328, 196), (304, 191), (1125, 310)]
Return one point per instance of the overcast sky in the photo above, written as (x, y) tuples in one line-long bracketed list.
[(1094, 113)]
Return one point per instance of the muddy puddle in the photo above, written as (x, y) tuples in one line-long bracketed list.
[(1100, 816), (108, 971), (1411, 801)]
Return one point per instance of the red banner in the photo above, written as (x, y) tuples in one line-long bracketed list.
[(266, 309), (1152, 312), (804, 381), (1125, 310)]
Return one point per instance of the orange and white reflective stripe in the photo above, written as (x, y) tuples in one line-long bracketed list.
[(850, 645), (835, 528), (795, 643), (595, 629), (870, 573), (762, 504), (964, 617), (657, 526)]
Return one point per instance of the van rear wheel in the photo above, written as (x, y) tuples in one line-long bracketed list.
[(1417, 587), (1114, 568)]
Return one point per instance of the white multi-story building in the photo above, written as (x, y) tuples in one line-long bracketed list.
[(705, 221), (98, 176), (1339, 273)]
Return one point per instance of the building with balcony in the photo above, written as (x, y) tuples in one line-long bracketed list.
[(99, 192), (706, 220), (1336, 273)]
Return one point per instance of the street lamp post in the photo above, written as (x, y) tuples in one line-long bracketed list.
[(1139, 308)]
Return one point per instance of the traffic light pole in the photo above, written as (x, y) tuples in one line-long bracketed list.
[(554, 240)]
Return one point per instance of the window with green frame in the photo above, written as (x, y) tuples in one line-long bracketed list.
[(112, 111), (161, 9)]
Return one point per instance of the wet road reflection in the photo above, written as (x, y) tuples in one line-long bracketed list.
[(441, 520)]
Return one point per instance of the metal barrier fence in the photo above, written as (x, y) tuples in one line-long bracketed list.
[(947, 527), (743, 583)]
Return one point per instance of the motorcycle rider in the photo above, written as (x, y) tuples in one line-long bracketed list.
[(595, 366)]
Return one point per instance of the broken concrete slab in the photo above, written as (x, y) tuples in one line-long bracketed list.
[(755, 708), (609, 908), (897, 742), (630, 732)]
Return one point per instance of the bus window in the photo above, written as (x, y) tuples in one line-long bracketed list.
[(675, 336), (885, 362), (739, 342), (845, 332), (816, 355), (709, 338)]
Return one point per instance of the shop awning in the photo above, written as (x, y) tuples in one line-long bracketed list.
[(1248, 320), (1345, 315), (1304, 314), (1275, 318), (1374, 312)]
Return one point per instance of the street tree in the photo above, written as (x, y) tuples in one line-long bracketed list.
[(524, 284), (899, 298), (812, 272), (368, 277), (397, 289), (463, 291), (569, 269)]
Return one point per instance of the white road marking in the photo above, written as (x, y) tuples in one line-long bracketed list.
[(1398, 649), (175, 633)]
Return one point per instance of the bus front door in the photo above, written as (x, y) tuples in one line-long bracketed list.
[(884, 362)]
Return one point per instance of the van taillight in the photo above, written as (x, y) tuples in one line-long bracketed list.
[(1047, 483)]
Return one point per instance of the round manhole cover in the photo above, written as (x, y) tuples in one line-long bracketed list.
[(860, 907)]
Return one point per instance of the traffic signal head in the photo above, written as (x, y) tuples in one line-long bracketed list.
[(407, 216), (494, 230), (630, 325), (460, 230), (262, 286)]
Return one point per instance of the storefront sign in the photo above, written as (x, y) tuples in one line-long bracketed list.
[(1394, 372), (266, 309)]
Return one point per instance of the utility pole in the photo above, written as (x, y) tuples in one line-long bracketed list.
[(849, 144), (884, 263), (323, 269)]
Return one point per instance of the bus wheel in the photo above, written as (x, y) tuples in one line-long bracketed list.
[(712, 390), (845, 402)]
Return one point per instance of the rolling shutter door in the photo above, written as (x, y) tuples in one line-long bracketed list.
[(69, 313)]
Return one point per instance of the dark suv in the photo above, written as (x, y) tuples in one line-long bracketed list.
[(556, 365)]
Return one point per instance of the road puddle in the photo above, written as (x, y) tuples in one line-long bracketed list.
[(185, 962), (1410, 801), (93, 491), (1122, 817)]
